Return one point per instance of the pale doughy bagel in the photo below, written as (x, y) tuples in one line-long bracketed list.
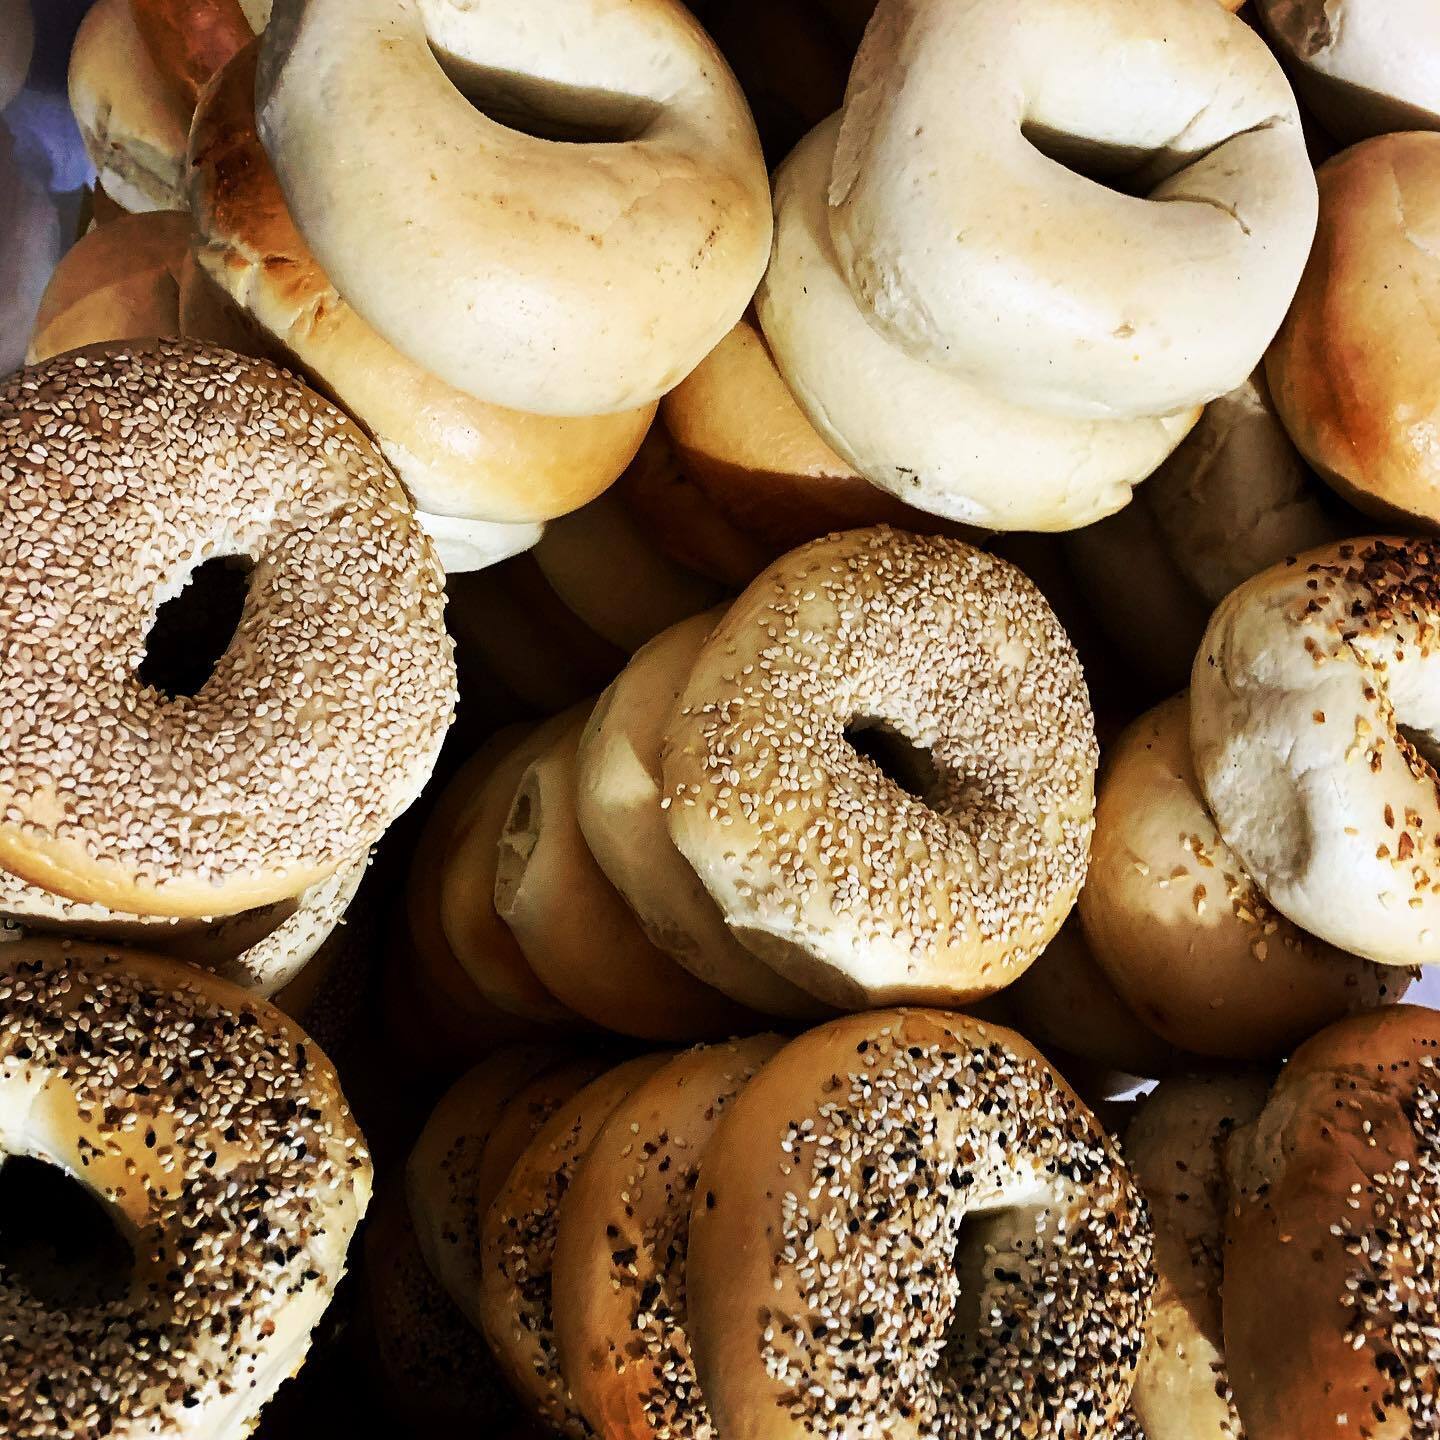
[(461, 458), (620, 807), (1362, 408), (1175, 1147), (1234, 498), (943, 883), (1065, 1001), (1365, 67), (957, 230), (909, 1214), (131, 466), (552, 277), (934, 439), (17, 45), (576, 932), (120, 282), (600, 564), (467, 1149), (133, 125), (480, 940), (476, 544), (518, 1246), (208, 1125), (1183, 933), (261, 950), (1315, 722), (1330, 1289), (618, 1278)]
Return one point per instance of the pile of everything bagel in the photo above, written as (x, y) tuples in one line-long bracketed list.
[(722, 722)]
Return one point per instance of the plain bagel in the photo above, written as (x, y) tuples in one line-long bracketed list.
[(956, 229), (609, 270), (940, 878), (1311, 681), (934, 439)]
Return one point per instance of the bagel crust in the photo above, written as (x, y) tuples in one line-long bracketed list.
[(1330, 1289), (210, 1127), (908, 1214), (126, 468), (1309, 686), (957, 231), (557, 278), (860, 888)]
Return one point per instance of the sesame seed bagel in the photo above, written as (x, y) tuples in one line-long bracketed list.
[(940, 442), (518, 1246), (260, 950), (119, 282), (1365, 67), (1310, 683), (481, 941), (621, 811), (467, 1149), (133, 124), (578, 935), (860, 888), (954, 225), (909, 1214), (618, 1279), (210, 1127), (1180, 929), (17, 45), (191, 41), (127, 468), (609, 269), (1175, 1148), (1330, 1283), (462, 459)]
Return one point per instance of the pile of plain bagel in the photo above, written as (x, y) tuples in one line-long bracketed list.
[(722, 722)]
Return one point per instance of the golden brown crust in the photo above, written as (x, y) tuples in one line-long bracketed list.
[(1330, 1279), (191, 40), (1361, 408)]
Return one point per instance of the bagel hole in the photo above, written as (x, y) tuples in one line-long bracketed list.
[(1124, 169), (193, 629), (987, 1252), (58, 1241), (900, 760), (548, 109), (1426, 745), (517, 844)]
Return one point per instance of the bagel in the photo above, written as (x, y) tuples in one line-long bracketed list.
[(207, 1124), (1361, 408), (465, 895), (1181, 930), (467, 1149), (954, 227), (1065, 1001), (462, 459), (620, 809), (1234, 498), (1330, 1293), (1364, 68), (133, 125), (934, 439), (190, 41), (261, 950), (609, 271), (1175, 1147), (17, 26), (119, 794), (941, 877), (518, 1246), (909, 1214), (577, 934), (120, 282), (605, 571), (1310, 683), (618, 1277)]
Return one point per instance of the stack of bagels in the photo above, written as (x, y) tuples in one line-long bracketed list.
[(889, 549)]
